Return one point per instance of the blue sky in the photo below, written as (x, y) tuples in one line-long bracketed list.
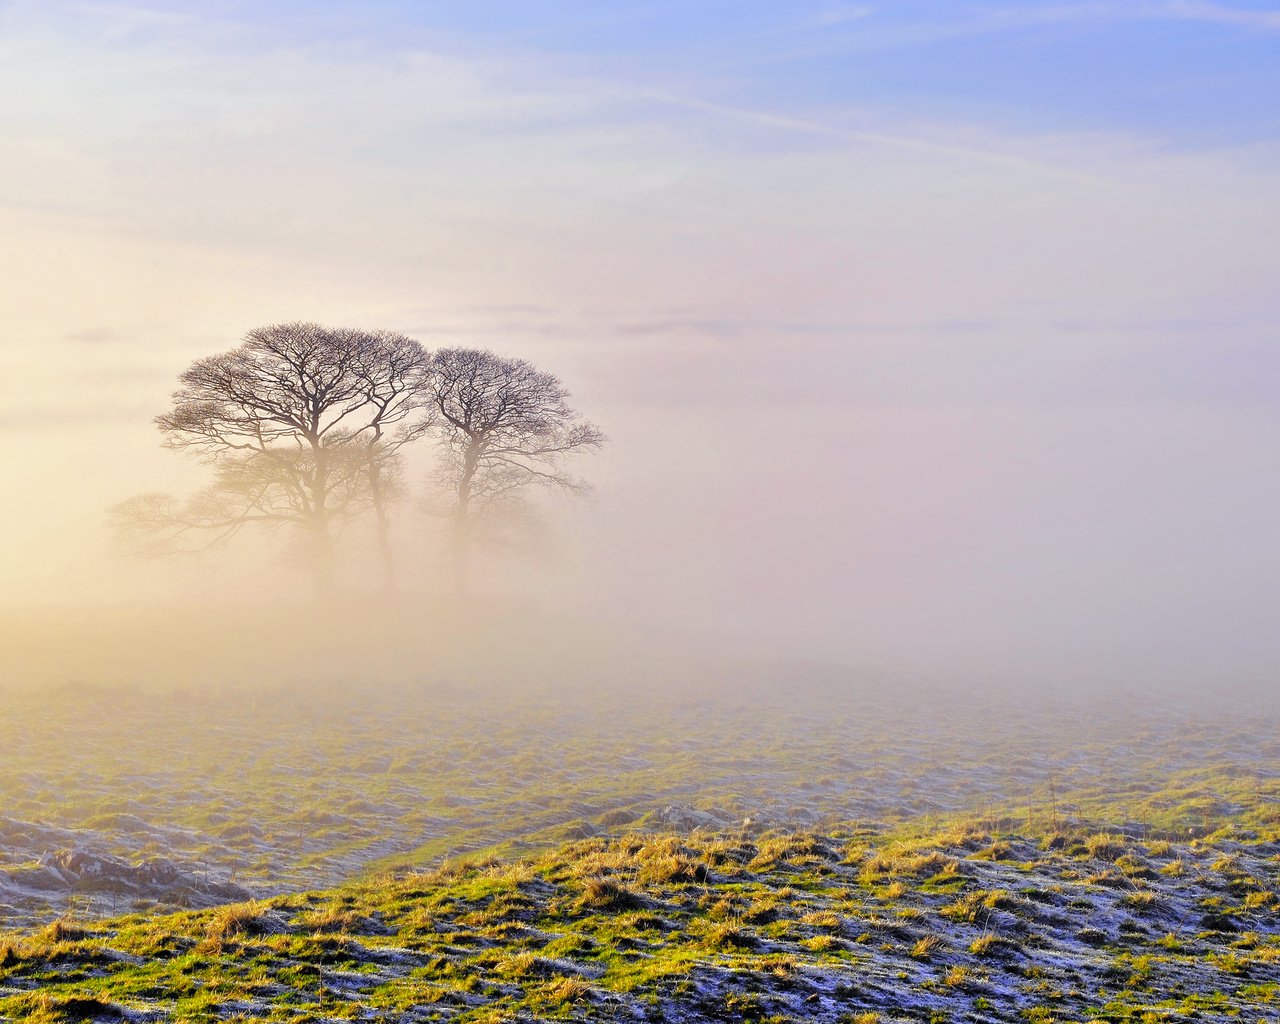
[(993, 286), (1179, 72)]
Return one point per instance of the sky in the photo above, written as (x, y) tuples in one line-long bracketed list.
[(936, 338)]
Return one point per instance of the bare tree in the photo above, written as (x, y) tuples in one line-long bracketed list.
[(394, 374), (302, 425), (507, 427)]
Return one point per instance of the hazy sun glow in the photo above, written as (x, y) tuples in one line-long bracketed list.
[(984, 352), (650, 510)]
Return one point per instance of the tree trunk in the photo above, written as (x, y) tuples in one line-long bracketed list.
[(382, 523), (462, 523), (324, 567), (461, 559), (322, 542)]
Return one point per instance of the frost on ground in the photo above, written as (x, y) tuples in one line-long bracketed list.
[(822, 853), (269, 792), (979, 922), (70, 878)]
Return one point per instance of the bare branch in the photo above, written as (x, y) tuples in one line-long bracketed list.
[(506, 427), (302, 425)]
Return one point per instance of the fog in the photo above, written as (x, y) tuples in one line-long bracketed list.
[(673, 511), (925, 398)]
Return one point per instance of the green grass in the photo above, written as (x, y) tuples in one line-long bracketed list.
[(287, 790), (781, 931), (472, 857)]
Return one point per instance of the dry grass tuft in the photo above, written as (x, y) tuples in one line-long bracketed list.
[(60, 930), (985, 945), (600, 892), (237, 919), (672, 868), (1106, 847), (331, 920), (568, 990), (956, 977), (44, 1008), (926, 947)]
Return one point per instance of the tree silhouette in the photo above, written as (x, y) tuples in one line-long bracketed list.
[(302, 426), (393, 372), (507, 427)]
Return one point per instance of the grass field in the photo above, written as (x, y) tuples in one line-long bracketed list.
[(742, 852), (848, 925)]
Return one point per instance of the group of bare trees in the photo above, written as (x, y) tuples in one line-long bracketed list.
[(305, 429)]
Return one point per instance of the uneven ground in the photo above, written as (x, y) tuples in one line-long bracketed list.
[(742, 853), (968, 925), (118, 799)]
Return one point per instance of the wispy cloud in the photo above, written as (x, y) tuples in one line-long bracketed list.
[(852, 29), (1266, 19), (918, 143), (1172, 10), (843, 14)]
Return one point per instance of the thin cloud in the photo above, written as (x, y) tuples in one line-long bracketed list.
[(931, 147), (735, 327), (1190, 10), (1174, 10), (843, 14), (863, 34)]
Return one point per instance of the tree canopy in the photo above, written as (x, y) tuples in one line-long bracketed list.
[(304, 427)]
